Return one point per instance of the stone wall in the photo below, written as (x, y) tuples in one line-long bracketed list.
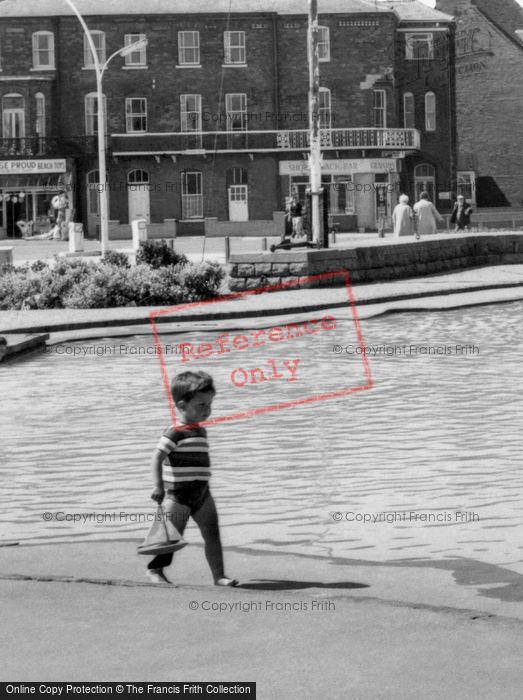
[(378, 262)]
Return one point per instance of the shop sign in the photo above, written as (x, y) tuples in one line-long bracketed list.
[(38, 166), (341, 166)]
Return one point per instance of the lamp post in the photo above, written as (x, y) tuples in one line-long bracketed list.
[(99, 72), (314, 120)]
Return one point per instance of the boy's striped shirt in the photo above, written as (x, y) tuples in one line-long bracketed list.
[(186, 455)]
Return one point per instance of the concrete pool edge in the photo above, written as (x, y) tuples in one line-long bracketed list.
[(494, 279), (461, 586)]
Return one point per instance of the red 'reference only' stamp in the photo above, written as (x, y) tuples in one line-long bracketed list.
[(235, 348)]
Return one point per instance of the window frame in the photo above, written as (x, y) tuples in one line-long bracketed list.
[(91, 98), (38, 50), (324, 43), (323, 110), (182, 47), (141, 53), (411, 111), (410, 52), (184, 112), (40, 121), (130, 115), (184, 194), (228, 47), (430, 125), (379, 109), (96, 34), (231, 113)]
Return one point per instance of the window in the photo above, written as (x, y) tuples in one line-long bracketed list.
[(324, 48), (99, 44), (192, 195), (380, 109), (138, 57), (425, 180), (341, 195), (234, 48), (236, 108), (135, 114), (408, 110), (189, 48), (190, 112), (13, 116), (91, 113), (40, 114), (325, 108), (466, 185), (43, 50), (430, 111), (138, 177), (419, 46)]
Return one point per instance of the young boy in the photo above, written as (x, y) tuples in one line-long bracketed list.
[(181, 468)]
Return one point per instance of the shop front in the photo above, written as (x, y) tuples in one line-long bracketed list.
[(27, 188), (361, 191)]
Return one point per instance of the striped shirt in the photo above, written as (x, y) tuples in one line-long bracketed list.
[(186, 455)]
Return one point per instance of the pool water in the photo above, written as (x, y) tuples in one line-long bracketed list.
[(425, 465)]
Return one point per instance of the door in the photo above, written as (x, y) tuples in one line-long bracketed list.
[(139, 203), (238, 204), (93, 204)]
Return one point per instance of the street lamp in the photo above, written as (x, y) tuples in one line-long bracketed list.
[(99, 72)]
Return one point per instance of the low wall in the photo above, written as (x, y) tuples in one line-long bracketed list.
[(243, 229), (121, 232), (377, 262)]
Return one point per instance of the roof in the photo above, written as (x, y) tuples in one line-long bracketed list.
[(506, 15), (51, 8), (412, 11)]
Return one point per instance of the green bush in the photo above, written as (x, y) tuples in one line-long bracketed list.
[(113, 257), (158, 254), (89, 285)]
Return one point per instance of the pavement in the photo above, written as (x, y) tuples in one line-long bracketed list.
[(298, 626)]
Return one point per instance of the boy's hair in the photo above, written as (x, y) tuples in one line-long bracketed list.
[(187, 384)]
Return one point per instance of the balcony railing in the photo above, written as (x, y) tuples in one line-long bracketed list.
[(36, 147), (263, 141)]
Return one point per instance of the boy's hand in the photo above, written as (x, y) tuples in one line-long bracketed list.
[(158, 494)]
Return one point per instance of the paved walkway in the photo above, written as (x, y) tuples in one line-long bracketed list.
[(470, 287)]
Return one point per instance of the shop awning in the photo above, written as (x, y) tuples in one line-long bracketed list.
[(49, 181)]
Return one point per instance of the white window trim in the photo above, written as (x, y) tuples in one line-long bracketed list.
[(409, 53), (94, 96), (413, 112), (131, 39), (138, 182), (327, 42), (324, 110), (101, 50), (129, 115), (199, 194), (227, 49), (40, 98), (36, 65), (229, 111), (181, 47), (185, 112), (383, 109), (429, 95)]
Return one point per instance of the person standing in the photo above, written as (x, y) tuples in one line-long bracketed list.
[(461, 214), (296, 215), (427, 216), (402, 218)]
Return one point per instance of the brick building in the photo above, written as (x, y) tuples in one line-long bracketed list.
[(489, 102), (208, 124)]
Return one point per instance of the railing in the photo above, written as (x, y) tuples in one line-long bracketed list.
[(35, 147), (282, 140)]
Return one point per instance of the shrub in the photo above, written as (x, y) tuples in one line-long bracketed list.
[(57, 282), (15, 289), (113, 257), (158, 254), (202, 280)]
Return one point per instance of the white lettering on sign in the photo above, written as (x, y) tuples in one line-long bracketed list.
[(341, 166), (36, 166)]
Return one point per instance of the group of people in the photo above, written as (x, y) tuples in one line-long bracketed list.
[(422, 219)]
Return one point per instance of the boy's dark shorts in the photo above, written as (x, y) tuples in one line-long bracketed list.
[(191, 494)]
